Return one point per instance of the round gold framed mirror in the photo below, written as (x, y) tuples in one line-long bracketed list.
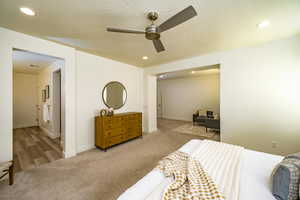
[(114, 95)]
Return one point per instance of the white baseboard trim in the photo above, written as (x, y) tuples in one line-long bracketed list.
[(152, 131), (178, 119), (86, 147)]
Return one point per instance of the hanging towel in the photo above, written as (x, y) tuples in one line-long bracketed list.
[(46, 113)]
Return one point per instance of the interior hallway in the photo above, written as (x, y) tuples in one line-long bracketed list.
[(32, 148), (97, 175)]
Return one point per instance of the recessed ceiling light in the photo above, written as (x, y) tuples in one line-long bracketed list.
[(27, 11), (263, 24), (193, 72), (145, 57)]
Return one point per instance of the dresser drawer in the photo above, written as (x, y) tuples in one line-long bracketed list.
[(115, 122), (115, 140), (113, 132), (107, 126), (133, 116), (134, 121), (133, 127), (117, 119), (107, 120), (107, 123), (130, 136), (113, 126), (133, 134)]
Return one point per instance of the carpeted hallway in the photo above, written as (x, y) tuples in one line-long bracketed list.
[(96, 174)]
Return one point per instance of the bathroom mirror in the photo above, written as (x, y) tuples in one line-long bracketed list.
[(114, 95)]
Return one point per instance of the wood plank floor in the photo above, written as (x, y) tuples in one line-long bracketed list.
[(32, 148)]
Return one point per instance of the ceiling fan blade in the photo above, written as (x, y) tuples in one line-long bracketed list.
[(118, 30), (158, 45), (179, 18)]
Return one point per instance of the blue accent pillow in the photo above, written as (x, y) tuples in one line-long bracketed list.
[(285, 179)]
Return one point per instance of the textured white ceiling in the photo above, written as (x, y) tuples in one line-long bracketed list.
[(220, 25), (23, 59)]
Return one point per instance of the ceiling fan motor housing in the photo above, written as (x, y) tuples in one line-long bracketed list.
[(152, 33)]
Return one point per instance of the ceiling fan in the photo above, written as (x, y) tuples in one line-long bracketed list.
[(152, 32)]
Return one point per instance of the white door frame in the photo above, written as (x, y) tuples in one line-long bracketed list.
[(10, 40), (60, 104)]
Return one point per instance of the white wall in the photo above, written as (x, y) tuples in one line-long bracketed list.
[(181, 97), (9, 40), (25, 100), (78, 110), (259, 94), (93, 73)]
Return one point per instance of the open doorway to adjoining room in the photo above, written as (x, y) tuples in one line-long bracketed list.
[(37, 121), (188, 101)]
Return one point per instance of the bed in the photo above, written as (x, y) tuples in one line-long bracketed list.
[(255, 171)]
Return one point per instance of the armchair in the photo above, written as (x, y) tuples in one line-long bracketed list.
[(6, 168), (200, 119)]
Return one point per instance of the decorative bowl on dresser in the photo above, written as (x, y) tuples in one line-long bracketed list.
[(116, 129)]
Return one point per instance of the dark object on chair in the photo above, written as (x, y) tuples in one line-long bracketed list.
[(7, 168), (213, 124), (210, 114), (200, 119)]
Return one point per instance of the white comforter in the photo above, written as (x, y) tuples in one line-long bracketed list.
[(256, 168)]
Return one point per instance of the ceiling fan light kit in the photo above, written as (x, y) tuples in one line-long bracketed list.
[(152, 32)]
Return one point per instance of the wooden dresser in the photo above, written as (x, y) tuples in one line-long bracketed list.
[(112, 130)]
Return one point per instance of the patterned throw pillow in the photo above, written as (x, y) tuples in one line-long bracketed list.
[(294, 155), (285, 179)]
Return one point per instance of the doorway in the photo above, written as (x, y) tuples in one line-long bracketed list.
[(189, 101), (36, 109)]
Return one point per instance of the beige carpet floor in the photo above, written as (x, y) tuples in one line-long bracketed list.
[(96, 174)]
